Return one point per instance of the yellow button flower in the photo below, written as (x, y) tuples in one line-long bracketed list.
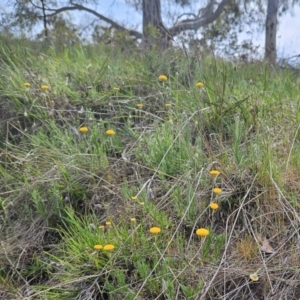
[(168, 105), (26, 84), (134, 198), (83, 129), (217, 191), (199, 84), (45, 87), (155, 230), (110, 132), (214, 206), (163, 78), (254, 277), (98, 247), (139, 105), (214, 172), (109, 247), (202, 232)]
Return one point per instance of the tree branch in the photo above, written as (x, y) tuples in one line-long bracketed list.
[(196, 23), (188, 24), (185, 14), (83, 8), (44, 21)]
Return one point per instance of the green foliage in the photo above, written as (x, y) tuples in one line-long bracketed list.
[(60, 186), (168, 151)]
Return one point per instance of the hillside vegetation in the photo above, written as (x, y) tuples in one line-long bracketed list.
[(120, 183)]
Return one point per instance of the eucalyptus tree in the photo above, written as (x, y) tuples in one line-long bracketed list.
[(275, 8), (271, 31), (152, 19), (218, 18), (154, 31)]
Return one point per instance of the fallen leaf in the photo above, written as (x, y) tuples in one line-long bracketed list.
[(266, 247)]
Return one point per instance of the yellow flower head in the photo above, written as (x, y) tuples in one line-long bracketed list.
[(109, 247), (132, 220), (45, 87), (110, 132), (83, 129), (26, 84), (155, 230), (202, 232), (254, 276), (134, 198), (101, 227), (139, 105), (116, 89), (142, 203), (217, 191), (214, 206), (163, 78), (199, 84), (168, 105), (108, 223), (214, 172), (98, 247)]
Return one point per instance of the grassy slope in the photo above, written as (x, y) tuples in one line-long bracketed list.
[(59, 185)]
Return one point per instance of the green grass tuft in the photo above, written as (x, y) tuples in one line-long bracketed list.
[(64, 191)]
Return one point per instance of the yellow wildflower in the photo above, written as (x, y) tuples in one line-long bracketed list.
[(217, 191), (168, 105), (155, 230), (45, 87), (98, 247), (109, 247), (139, 105), (163, 78), (83, 129), (202, 232), (132, 219), (116, 89), (214, 205), (134, 198), (26, 84), (254, 276), (110, 132), (199, 84), (101, 227), (142, 203), (214, 172), (108, 223)]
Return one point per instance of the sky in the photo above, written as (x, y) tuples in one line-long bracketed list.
[(288, 37), (288, 34)]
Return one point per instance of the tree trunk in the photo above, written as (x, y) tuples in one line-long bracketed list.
[(271, 31), (154, 32), (46, 36)]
